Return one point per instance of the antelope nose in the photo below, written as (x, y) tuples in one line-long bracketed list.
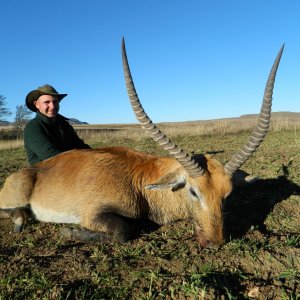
[(208, 240), (206, 243)]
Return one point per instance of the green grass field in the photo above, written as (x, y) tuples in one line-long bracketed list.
[(260, 259)]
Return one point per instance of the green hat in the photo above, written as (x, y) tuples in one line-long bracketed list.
[(42, 90)]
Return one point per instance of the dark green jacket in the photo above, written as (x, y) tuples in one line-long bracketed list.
[(45, 137)]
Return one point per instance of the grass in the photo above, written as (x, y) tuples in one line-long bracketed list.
[(96, 133), (260, 260)]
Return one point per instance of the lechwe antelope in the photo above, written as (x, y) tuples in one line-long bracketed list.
[(100, 189)]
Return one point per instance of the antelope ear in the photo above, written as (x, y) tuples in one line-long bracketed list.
[(173, 180), (241, 178)]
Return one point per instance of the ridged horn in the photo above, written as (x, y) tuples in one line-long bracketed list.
[(262, 125), (158, 136)]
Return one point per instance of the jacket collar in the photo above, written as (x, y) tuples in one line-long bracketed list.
[(50, 121)]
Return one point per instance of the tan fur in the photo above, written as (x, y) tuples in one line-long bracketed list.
[(17, 189), (96, 188)]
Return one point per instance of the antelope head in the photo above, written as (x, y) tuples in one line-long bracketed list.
[(207, 182)]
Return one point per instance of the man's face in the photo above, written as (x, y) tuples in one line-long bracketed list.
[(48, 105)]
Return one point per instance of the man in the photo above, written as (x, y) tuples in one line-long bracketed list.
[(49, 133)]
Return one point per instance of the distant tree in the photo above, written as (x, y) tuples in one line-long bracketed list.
[(4, 111), (22, 116)]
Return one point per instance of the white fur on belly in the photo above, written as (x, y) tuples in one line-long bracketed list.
[(51, 216)]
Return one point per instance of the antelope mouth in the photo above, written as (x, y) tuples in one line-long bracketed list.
[(204, 241)]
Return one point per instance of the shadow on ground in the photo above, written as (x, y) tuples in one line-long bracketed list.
[(249, 205)]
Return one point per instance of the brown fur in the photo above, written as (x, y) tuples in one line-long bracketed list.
[(100, 188)]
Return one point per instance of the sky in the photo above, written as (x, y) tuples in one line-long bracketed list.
[(190, 59)]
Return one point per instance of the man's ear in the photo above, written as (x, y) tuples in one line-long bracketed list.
[(36, 104), (173, 180)]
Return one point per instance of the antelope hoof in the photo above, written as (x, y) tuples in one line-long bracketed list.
[(83, 235), (67, 233), (20, 218), (19, 228)]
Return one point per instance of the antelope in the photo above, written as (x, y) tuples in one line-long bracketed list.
[(102, 189)]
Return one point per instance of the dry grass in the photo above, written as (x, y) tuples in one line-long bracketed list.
[(11, 144), (92, 133)]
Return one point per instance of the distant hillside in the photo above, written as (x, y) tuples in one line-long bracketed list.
[(282, 116), (4, 123), (277, 115), (74, 121)]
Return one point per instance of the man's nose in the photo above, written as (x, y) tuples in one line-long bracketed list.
[(52, 105)]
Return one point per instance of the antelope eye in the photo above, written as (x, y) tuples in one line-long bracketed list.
[(194, 194)]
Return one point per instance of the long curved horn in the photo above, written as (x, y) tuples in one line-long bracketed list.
[(182, 157), (262, 125)]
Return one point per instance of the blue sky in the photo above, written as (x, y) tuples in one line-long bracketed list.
[(190, 60)]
